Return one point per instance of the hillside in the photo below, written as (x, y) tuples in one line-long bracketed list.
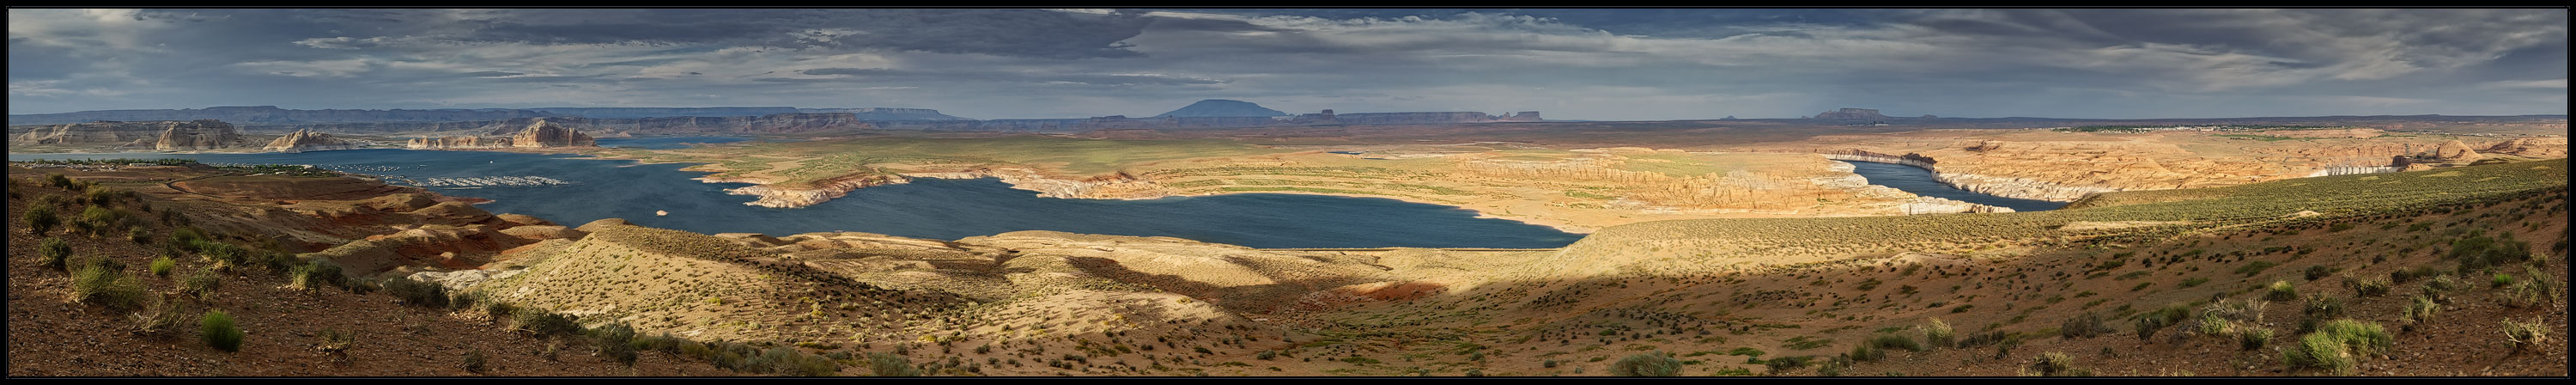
[(2221, 281)]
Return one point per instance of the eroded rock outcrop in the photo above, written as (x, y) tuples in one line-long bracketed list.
[(2532, 147), (306, 140), (541, 134), (162, 135)]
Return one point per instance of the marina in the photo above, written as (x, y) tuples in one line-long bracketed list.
[(484, 181)]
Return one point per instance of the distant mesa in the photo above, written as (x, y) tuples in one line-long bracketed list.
[(162, 135), (1728, 117), (541, 134), (1222, 108), (1851, 114)]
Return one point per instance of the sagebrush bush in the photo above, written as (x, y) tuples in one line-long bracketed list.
[(162, 266), (1866, 353), (889, 365), (1649, 364), (417, 293), (54, 253), (321, 273), (616, 340), (2053, 364), (474, 361), (1939, 334), (2525, 334), (545, 323), (1894, 341), (100, 284), (2368, 287), (2253, 338), (219, 331), (201, 284), (2280, 291), (41, 218), (2082, 326)]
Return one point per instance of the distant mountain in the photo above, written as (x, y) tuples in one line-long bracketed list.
[(1222, 108)]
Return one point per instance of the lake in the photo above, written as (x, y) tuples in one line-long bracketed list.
[(927, 208), (1919, 181)]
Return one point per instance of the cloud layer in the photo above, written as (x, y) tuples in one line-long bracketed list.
[(1573, 64)]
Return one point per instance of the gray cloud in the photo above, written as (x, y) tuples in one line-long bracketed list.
[(1572, 63)]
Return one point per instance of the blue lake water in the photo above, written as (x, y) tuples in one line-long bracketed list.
[(1919, 181), (927, 208)]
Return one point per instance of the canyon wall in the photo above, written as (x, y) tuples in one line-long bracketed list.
[(164, 135), (541, 134), (272, 114), (686, 125)]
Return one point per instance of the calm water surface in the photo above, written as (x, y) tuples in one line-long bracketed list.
[(927, 208), (1919, 181)]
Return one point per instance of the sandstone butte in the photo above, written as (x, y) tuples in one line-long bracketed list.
[(306, 140), (162, 136), (541, 134)]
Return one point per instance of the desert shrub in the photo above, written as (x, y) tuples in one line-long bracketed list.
[(201, 284), (2335, 346), (57, 180), (1939, 334), (138, 235), (2082, 326), (160, 317), (2162, 316), (97, 221), (190, 239), (54, 253), (327, 272), (1265, 354), (545, 323), (1551, 364), (1866, 353), (888, 365), (2315, 272), (2419, 308), (2443, 284), (2367, 287), (1781, 364), (2280, 291), (161, 266), (2322, 306), (615, 340), (108, 286), (2054, 364), (219, 331), (417, 293), (794, 363), (1893, 341), (103, 196), (2525, 334), (41, 218), (2535, 288), (1649, 364), (2251, 339), (474, 361)]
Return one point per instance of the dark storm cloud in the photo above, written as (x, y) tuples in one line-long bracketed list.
[(881, 74), (1572, 63), (1006, 32)]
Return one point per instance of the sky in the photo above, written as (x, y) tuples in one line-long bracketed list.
[(1589, 64)]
